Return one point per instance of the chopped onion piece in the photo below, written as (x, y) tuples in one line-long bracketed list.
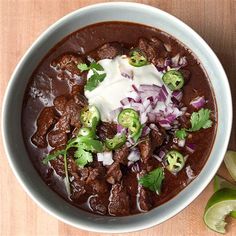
[(198, 102), (190, 147), (105, 158), (178, 95), (181, 142), (146, 130), (157, 157), (134, 155), (162, 154), (189, 172)]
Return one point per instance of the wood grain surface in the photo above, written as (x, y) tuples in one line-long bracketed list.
[(21, 22)]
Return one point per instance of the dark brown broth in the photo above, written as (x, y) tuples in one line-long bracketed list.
[(44, 79)]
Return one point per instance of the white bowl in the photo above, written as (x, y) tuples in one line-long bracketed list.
[(11, 117)]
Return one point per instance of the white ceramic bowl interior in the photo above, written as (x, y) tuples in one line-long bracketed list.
[(11, 117)]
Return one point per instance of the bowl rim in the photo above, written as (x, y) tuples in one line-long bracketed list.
[(13, 80)]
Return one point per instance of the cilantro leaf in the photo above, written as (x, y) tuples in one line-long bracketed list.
[(94, 81), (96, 78), (53, 156), (93, 145), (153, 180), (181, 134), (82, 157), (96, 66), (83, 67), (200, 119)]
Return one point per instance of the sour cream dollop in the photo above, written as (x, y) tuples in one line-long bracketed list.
[(120, 76)]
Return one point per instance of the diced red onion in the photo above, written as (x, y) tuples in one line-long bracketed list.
[(183, 61), (165, 124), (198, 102), (151, 117), (189, 172), (175, 60), (162, 154), (137, 106), (134, 155), (177, 95), (146, 130), (167, 47), (120, 129), (153, 126), (143, 118), (135, 96), (125, 101), (190, 147), (181, 142), (157, 157), (149, 88), (105, 158)]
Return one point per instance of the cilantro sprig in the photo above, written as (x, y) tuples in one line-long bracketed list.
[(199, 120), (96, 78), (83, 147), (153, 180)]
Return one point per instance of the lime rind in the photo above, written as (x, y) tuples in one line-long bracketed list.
[(230, 162), (220, 182), (221, 204)]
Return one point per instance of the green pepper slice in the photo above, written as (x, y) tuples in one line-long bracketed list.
[(86, 132), (135, 127), (137, 58), (175, 161), (90, 116), (116, 142), (127, 116), (173, 79)]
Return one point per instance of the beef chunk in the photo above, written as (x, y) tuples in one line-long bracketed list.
[(45, 120), (96, 180), (154, 50), (114, 173), (145, 148), (144, 199), (78, 190), (121, 155), (60, 103), (98, 204), (151, 142), (63, 123), (119, 201), (57, 138), (68, 62), (106, 130), (77, 89), (72, 109), (100, 186), (80, 100), (58, 165), (108, 51)]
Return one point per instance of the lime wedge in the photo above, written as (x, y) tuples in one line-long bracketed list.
[(230, 162), (219, 183), (221, 204)]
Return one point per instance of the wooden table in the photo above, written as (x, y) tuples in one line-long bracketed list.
[(22, 21)]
